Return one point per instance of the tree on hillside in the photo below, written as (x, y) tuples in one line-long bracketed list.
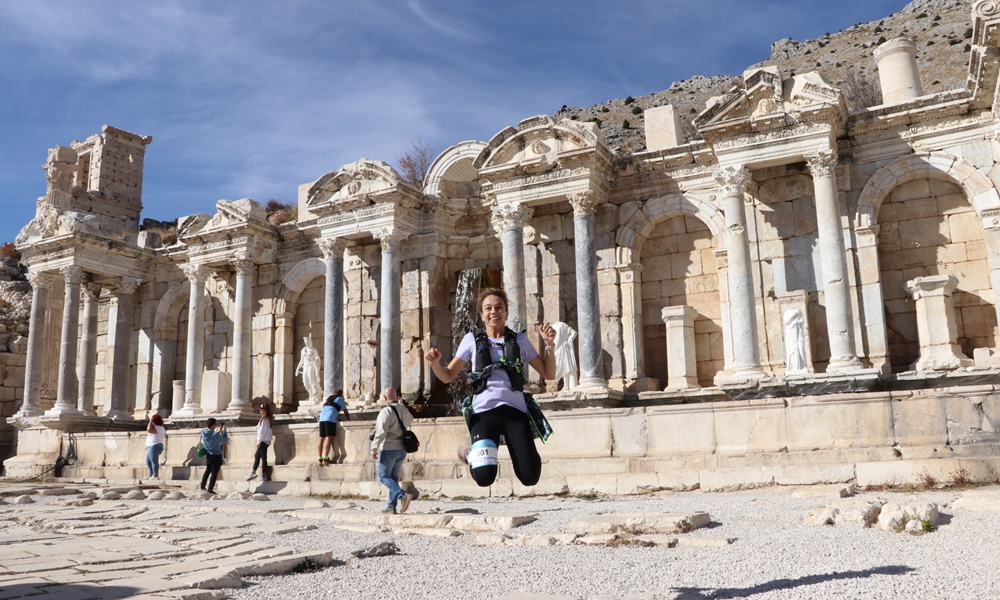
[(415, 162), (860, 90)]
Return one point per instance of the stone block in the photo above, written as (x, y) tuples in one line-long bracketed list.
[(839, 421), (663, 128), (681, 429), (747, 426), (919, 420)]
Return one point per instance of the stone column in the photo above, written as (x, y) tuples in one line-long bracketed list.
[(40, 283), (68, 386), (122, 349), (899, 77), (588, 310), (195, 365), (389, 315), (682, 364), (936, 326), (732, 182), (88, 350), (633, 342), (242, 335), (836, 292), (333, 315), (509, 220)]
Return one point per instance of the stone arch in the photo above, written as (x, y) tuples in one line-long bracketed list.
[(978, 190), (454, 166), (168, 314), (292, 285), (631, 238), (632, 234)]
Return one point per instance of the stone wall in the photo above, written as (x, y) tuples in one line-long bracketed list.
[(11, 392), (928, 227)]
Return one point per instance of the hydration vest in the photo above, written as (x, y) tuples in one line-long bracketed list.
[(510, 361)]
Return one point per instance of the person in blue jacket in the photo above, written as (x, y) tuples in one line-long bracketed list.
[(328, 418), (213, 441)]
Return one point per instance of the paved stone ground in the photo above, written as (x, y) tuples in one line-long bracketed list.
[(99, 542), (82, 542)]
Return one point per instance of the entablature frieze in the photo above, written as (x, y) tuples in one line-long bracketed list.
[(775, 147), (364, 222), (220, 252)]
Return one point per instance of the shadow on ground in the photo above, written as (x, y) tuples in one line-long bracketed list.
[(786, 584)]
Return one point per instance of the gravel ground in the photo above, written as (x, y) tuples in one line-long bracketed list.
[(774, 556)]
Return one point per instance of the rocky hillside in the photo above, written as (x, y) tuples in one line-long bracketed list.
[(940, 28), (15, 305)]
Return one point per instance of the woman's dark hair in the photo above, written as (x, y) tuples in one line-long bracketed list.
[(338, 392), (330, 399), (157, 420), (268, 412), (483, 295)]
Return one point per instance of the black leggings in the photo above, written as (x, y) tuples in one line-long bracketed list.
[(516, 429), (260, 456)]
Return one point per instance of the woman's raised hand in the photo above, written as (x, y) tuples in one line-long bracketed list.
[(548, 333), (433, 356)]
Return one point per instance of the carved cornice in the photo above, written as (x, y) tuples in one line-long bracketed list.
[(510, 216), (584, 203), (732, 181)]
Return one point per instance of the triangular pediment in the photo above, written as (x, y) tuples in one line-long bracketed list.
[(358, 184), (539, 144)]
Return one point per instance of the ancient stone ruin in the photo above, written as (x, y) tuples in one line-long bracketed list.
[(803, 293)]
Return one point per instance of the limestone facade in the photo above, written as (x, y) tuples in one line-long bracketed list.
[(787, 199)]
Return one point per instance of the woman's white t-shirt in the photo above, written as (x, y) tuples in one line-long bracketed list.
[(153, 439), (498, 389)]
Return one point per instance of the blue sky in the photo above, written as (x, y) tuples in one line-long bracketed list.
[(253, 98)]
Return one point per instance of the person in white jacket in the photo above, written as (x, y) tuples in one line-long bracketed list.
[(387, 448), (265, 436)]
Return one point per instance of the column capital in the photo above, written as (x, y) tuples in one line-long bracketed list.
[(244, 267), (510, 216), (584, 203), (72, 274), (195, 273), (822, 164), (91, 291), (389, 237), (732, 180), (38, 279), (127, 284), (331, 247)]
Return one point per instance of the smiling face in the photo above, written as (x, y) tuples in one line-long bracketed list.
[(493, 312)]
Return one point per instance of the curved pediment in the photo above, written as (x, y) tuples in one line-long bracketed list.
[(357, 184), (453, 174), (538, 144)]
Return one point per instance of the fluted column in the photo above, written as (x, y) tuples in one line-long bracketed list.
[(194, 367), (732, 183), (389, 315), (333, 315), (123, 346), (68, 385), (40, 283), (88, 350), (836, 292), (588, 312), (509, 220), (242, 335)]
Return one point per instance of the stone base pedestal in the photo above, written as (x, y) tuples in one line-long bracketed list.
[(76, 423)]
